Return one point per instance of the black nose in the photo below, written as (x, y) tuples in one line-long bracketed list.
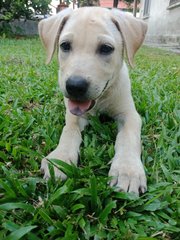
[(77, 86)]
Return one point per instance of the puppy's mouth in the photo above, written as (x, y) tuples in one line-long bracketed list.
[(79, 108)]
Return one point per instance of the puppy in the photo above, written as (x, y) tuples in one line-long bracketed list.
[(93, 77)]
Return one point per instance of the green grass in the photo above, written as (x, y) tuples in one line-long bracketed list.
[(84, 207)]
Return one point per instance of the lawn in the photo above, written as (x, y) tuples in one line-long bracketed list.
[(84, 206)]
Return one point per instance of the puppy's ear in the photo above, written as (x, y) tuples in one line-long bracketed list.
[(50, 29), (133, 32)]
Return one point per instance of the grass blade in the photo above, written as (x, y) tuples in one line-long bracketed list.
[(18, 234), (93, 186), (69, 170), (12, 206), (106, 211)]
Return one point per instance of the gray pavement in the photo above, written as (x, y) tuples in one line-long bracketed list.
[(172, 48)]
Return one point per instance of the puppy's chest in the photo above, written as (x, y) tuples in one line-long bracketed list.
[(106, 106)]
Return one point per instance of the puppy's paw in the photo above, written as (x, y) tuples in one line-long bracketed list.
[(56, 155), (128, 177), (45, 170)]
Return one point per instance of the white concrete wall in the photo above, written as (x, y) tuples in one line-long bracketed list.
[(163, 23)]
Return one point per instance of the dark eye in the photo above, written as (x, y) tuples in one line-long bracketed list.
[(105, 49), (65, 46)]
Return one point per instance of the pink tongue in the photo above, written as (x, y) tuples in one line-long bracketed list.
[(78, 108)]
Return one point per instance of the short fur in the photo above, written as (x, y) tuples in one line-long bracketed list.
[(109, 85)]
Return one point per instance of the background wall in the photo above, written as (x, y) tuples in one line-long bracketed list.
[(27, 27), (163, 22)]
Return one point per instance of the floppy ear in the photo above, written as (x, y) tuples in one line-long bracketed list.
[(50, 29), (133, 31)]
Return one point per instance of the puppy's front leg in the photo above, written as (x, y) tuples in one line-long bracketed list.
[(68, 147), (127, 171)]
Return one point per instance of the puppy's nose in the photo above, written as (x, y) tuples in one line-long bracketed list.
[(76, 86)]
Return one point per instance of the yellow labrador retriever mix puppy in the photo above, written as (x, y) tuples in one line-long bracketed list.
[(93, 77)]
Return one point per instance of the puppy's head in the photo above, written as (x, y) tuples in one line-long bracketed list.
[(91, 44)]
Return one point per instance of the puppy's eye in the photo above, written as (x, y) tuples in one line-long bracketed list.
[(65, 46), (105, 49)]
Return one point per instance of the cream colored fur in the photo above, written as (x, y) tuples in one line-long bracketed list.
[(85, 28)]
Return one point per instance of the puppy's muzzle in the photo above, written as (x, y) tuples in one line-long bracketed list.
[(77, 88), (77, 91)]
